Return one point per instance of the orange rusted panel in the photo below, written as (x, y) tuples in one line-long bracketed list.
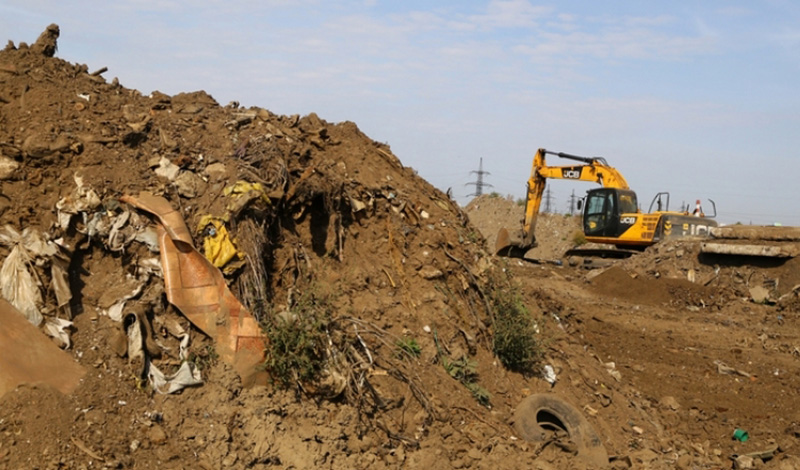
[(198, 289)]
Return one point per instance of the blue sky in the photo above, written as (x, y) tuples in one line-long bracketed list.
[(696, 98)]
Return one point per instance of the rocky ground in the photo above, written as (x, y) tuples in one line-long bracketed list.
[(663, 355)]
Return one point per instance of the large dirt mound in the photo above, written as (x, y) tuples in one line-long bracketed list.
[(326, 219)]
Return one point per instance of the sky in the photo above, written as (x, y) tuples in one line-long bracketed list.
[(698, 99)]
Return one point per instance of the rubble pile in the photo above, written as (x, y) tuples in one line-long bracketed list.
[(150, 235)]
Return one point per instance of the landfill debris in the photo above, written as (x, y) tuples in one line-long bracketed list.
[(83, 199), (723, 368), (765, 454), (187, 374), (20, 285), (242, 194), (199, 291), (749, 232), (766, 251), (741, 435), (58, 329), (755, 459), (670, 402), (356, 225), (611, 367), (28, 357), (217, 244), (743, 462), (761, 295), (115, 310), (166, 169), (549, 374), (8, 166), (534, 420)]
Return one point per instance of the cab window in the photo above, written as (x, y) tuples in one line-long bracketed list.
[(599, 211), (627, 204)]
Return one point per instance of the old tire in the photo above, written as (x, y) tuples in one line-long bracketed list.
[(538, 415)]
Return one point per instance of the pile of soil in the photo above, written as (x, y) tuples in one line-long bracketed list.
[(555, 233), (334, 223)]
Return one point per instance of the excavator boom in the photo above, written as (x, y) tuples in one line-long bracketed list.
[(593, 169)]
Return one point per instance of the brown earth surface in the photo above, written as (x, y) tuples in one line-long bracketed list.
[(665, 354), (555, 233)]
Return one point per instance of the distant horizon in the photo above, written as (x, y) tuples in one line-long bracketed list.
[(565, 212)]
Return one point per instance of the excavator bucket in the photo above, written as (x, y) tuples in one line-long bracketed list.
[(512, 247)]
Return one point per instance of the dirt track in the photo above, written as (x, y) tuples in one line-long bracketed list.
[(664, 369)]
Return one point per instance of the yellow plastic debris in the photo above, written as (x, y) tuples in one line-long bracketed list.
[(217, 244), (243, 193), (240, 188)]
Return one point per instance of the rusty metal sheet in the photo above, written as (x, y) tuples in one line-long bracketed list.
[(197, 288)]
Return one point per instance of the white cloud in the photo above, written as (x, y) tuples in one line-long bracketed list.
[(637, 44), (501, 14)]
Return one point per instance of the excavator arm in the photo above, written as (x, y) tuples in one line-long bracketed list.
[(594, 169)]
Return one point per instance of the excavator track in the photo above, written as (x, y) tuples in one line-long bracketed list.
[(615, 253)]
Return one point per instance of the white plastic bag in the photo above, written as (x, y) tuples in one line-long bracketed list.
[(19, 287)]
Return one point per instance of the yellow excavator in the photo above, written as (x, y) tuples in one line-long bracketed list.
[(611, 213)]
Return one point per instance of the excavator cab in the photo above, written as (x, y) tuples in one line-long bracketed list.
[(603, 209)]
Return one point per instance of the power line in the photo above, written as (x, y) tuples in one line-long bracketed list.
[(572, 200), (548, 201), (479, 183)]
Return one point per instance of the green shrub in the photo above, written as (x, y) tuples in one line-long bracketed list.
[(515, 332), (479, 393), (297, 339), (465, 371)]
